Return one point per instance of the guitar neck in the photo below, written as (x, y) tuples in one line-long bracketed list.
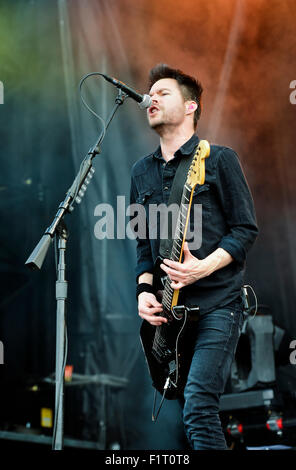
[(170, 295)]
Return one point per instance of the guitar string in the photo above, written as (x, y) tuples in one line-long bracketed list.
[(176, 250), (175, 256)]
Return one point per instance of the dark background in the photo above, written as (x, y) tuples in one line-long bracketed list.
[(244, 53)]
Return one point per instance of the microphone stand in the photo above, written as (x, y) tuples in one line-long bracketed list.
[(58, 229)]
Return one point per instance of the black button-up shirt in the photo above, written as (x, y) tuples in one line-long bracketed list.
[(228, 219)]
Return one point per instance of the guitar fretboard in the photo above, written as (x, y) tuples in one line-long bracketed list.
[(177, 243)]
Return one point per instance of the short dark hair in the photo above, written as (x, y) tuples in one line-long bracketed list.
[(190, 87)]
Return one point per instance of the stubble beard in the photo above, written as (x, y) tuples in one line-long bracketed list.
[(158, 127)]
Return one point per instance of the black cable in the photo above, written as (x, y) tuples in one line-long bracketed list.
[(98, 117), (85, 103), (154, 417)]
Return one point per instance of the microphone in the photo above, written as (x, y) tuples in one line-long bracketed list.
[(144, 101)]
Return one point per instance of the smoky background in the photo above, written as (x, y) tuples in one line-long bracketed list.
[(243, 52)]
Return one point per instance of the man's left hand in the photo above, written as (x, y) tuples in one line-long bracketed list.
[(183, 274), (192, 268)]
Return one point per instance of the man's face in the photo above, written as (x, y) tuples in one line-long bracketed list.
[(168, 105)]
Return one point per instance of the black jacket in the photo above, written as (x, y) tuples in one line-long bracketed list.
[(228, 219)]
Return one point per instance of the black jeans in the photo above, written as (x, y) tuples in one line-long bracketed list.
[(216, 341)]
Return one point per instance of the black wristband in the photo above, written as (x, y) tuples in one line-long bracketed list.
[(144, 287)]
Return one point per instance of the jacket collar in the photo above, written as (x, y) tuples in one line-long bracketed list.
[(186, 148)]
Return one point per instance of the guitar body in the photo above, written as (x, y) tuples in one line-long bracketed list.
[(168, 351)]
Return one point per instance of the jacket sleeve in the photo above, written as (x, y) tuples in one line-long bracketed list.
[(144, 256), (238, 206)]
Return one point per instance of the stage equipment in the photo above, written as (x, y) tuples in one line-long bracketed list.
[(254, 364), (58, 231)]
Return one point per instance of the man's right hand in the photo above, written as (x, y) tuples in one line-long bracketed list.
[(149, 307)]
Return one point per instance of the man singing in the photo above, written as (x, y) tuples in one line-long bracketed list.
[(211, 276)]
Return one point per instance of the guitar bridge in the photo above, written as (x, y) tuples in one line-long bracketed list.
[(172, 367), (162, 353)]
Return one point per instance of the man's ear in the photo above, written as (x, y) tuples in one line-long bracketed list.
[(191, 107)]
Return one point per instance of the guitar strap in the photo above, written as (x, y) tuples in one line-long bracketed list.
[(166, 244)]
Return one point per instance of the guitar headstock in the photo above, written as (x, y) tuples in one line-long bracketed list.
[(197, 171)]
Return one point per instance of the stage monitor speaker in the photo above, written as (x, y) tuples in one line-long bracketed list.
[(254, 364)]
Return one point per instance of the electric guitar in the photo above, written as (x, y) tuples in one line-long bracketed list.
[(168, 347)]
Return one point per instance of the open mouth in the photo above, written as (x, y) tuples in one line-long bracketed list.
[(153, 109)]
